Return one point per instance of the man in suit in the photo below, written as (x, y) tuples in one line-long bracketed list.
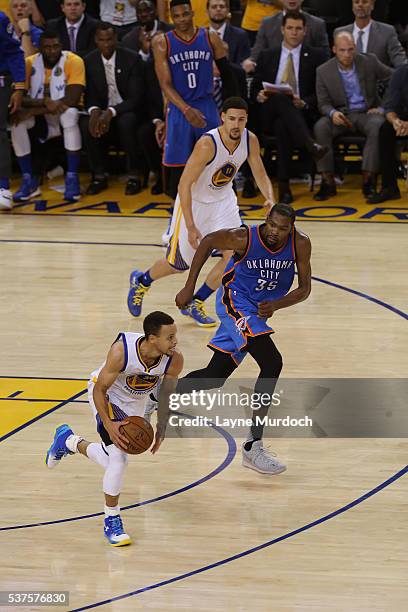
[(395, 127), (75, 29), (289, 116), (236, 38), (373, 36), (347, 96), (139, 38), (113, 98), (270, 33)]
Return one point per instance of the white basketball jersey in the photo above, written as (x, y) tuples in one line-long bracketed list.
[(215, 181), (136, 381)]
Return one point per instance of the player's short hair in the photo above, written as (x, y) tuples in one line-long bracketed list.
[(104, 26), (153, 322), (49, 33), (286, 210), (297, 15), (174, 3), (234, 102)]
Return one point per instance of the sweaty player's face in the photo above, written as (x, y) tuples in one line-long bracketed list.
[(166, 341), (277, 229), (182, 17), (234, 121)]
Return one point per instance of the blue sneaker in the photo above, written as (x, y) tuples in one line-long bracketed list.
[(196, 311), (136, 293), (72, 191), (114, 532), (28, 189), (58, 449)]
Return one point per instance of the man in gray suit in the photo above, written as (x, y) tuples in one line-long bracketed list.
[(373, 36), (347, 97), (270, 33)]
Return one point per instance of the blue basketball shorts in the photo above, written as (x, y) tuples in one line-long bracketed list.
[(238, 323), (181, 136)]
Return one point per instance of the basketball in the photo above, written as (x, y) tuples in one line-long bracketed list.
[(140, 434)]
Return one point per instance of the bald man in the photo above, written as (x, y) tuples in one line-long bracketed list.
[(347, 97)]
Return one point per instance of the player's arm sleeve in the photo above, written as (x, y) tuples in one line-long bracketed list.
[(229, 82), (12, 52)]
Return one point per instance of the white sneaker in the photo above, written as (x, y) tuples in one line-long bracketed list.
[(260, 460), (6, 199), (150, 407)]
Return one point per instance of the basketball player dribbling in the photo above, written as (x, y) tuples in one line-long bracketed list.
[(135, 365), (256, 283), (206, 202)]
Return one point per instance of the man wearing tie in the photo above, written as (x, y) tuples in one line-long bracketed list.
[(76, 30), (113, 98), (289, 115), (373, 36)]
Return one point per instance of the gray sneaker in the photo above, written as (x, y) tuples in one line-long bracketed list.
[(150, 407), (260, 460)]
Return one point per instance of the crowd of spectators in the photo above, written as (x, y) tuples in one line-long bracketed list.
[(309, 78)]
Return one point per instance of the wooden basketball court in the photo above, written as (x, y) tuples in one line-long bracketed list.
[(328, 535)]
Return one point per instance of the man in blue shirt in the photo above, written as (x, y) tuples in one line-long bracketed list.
[(347, 97), (12, 70)]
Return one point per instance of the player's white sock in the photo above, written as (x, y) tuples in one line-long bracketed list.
[(96, 453), (112, 510), (72, 443)]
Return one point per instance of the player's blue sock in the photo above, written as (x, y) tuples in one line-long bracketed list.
[(25, 164), (203, 293), (73, 159), (4, 183), (145, 279)]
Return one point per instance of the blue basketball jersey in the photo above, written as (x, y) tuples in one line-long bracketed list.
[(261, 274), (191, 65)]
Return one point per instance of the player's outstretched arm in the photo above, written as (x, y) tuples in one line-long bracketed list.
[(225, 240), (159, 47), (107, 376), (167, 387), (302, 291), (202, 153), (259, 172)]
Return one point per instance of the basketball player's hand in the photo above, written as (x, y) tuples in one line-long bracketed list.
[(194, 237), (118, 438), (93, 125), (268, 205), (55, 107), (157, 443), (21, 115), (195, 117), (160, 132), (266, 309), (16, 100), (184, 297)]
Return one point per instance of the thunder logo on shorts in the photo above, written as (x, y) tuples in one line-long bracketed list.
[(224, 175), (141, 383)]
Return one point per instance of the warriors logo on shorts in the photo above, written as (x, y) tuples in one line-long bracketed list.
[(224, 175), (141, 383)]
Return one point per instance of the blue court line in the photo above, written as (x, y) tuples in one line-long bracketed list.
[(250, 551), (232, 449), (400, 313), (40, 416)]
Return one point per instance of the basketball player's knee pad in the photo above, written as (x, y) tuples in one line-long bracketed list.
[(20, 137), (72, 134), (69, 118), (113, 478)]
